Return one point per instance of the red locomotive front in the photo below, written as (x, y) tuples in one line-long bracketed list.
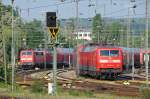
[(27, 58), (109, 60)]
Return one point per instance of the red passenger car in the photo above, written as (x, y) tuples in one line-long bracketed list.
[(64, 56), (130, 52), (42, 57), (142, 56), (97, 61)]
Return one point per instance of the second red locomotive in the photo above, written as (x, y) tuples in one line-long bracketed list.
[(98, 60)]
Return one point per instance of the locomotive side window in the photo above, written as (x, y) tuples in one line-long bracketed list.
[(39, 54), (114, 53), (104, 52)]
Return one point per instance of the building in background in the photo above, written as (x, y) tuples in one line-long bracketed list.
[(83, 34)]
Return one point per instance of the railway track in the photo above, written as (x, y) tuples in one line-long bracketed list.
[(98, 86), (94, 85)]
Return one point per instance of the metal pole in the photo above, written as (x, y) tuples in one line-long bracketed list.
[(133, 69), (13, 49), (69, 54), (77, 22), (146, 39), (45, 41), (128, 35), (4, 50), (96, 7), (54, 70)]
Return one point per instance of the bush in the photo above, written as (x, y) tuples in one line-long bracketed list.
[(74, 93), (86, 93), (145, 91), (38, 87)]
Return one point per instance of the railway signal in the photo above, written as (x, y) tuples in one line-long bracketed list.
[(53, 30), (51, 19)]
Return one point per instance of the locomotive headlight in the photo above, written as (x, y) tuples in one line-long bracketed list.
[(116, 61), (103, 61)]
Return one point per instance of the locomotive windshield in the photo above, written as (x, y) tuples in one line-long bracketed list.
[(109, 52), (114, 53), (27, 53), (104, 52)]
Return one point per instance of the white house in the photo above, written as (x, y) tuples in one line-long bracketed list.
[(83, 35)]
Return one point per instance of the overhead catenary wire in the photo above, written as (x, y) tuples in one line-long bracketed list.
[(37, 7)]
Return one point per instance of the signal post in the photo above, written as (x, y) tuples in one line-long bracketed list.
[(53, 31)]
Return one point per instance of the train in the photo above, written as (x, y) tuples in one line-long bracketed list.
[(99, 61), (127, 57), (108, 61), (143, 58), (34, 58), (94, 59)]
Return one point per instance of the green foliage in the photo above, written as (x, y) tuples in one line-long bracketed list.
[(97, 27), (114, 32), (34, 34), (38, 87), (86, 93), (3, 85), (66, 36), (145, 91)]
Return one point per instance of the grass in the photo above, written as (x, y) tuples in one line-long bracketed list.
[(61, 93), (145, 91)]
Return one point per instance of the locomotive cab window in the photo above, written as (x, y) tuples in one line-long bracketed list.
[(114, 52), (29, 53), (26, 53), (104, 52), (23, 53)]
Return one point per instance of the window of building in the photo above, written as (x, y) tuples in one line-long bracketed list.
[(80, 35), (89, 35), (85, 34)]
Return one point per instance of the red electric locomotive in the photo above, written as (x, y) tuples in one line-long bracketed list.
[(27, 58), (98, 60), (37, 58), (34, 58)]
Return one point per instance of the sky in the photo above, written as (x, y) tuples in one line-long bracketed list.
[(31, 9)]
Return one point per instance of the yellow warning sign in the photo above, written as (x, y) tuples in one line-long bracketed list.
[(53, 31)]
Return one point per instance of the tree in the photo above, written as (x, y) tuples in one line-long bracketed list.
[(6, 27), (34, 34), (114, 31), (97, 28), (66, 36)]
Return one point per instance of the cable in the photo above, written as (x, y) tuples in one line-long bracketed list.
[(50, 5), (120, 10)]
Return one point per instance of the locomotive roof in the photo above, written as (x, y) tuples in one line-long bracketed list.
[(65, 50)]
